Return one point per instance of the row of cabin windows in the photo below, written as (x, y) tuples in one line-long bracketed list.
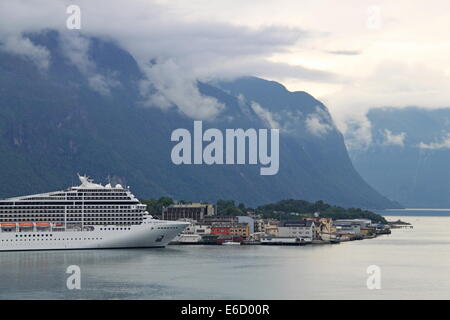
[(70, 219), (94, 191), (62, 207), (69, 208), (43, 218), (69, 204), (125, 212), (54, 239), (72, 213), (109, 197), (79, 196), (97, 197), (32, 233)]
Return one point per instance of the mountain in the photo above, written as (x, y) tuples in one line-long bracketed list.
[(409, 156), (57, 122)]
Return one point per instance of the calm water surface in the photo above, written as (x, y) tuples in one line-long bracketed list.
[(415, 263)]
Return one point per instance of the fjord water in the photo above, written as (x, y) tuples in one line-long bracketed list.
[(414, 264)]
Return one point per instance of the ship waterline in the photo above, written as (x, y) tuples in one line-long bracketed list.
[(90, 216)]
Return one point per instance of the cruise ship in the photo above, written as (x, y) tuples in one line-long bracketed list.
[(90, 216)]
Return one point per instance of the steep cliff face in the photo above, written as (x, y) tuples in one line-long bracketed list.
[(58, 122), (314, 146)]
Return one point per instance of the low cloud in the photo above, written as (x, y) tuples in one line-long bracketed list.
[(319, 123), (344, 52), (266, 116), (391, 139), (444, 143), (76, 48), (358, 132), (19, 45), (174, 88)]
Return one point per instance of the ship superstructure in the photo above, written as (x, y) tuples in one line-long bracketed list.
[(89, 216)]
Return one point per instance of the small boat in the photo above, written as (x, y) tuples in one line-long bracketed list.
[(187, 239), (231, 243)]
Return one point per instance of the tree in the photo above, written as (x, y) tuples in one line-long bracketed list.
[(155, 207)]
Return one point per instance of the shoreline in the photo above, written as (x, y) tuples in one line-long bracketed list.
[(299, 244)]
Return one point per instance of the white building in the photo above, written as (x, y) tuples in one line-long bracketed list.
[(347, 228), (297, 229), (363, 223), (198, 229)]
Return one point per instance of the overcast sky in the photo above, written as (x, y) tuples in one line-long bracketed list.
[(352, 54)]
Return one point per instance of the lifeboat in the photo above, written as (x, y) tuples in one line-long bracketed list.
[(8, 225), (42, 224), (26, 225)]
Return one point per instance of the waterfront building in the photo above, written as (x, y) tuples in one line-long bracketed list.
[(259, 226), (211, 219), (249, 220), (297, 229), (236, 229), (193, 211), (256, 236), (324, 228), (271, 230), (200, 229), (267, 226), (363, 223), (347, 227), (241, 229), (220, 229)]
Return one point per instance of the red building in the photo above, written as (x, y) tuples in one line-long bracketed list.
[(221, 230)]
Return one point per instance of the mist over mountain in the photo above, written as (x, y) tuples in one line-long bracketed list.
[(409, 155), (90, 110)]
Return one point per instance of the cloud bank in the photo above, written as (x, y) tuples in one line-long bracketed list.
[(339, 58), (443, 144), (185, 50)]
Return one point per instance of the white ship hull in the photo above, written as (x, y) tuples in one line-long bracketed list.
[(151, 234)]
